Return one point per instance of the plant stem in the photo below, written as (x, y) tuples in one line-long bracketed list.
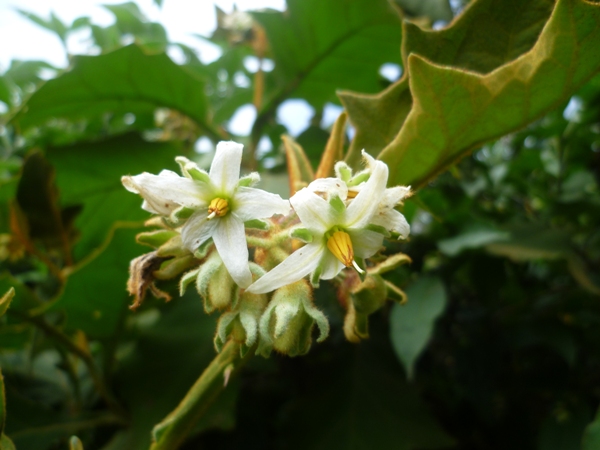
[(173, 430)]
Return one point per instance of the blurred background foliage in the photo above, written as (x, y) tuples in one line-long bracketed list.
[(495, 119)]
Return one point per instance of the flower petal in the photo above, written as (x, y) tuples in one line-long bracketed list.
[(230, 239), (331, 266), (365, 242), (393, 221), (362, 208), (225, 168), (165, 192), (295, 267), (197, 230), (393, 196), (315, 213), (328, 187), (251, 203)]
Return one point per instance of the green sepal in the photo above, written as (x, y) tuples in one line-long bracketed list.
[(389, 264), (155, 238), (343, 171), (370, 295), (378, 229), (337, 204), (202, 251), (190, 170), (249, 180), (359, 178), (173, 267), (287, 323), (304, 234), (186, 279), (257, 224), (181, 214), (173, 247), (5, 300), (316, 276), (215, 285)]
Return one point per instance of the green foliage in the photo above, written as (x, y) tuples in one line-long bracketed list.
[(411, 325), (499, 335)]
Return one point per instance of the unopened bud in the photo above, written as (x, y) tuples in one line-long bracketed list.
[(288, 321)]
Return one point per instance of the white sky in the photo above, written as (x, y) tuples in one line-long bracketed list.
[(22, 39)]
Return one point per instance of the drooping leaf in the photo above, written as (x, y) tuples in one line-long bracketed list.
[(411, 324), (124, 81), (39, 214), (455, 110), (319, 47), (89, 175)]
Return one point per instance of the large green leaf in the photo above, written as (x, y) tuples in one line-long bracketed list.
[(94, 297), (455, 110), (513, 75), (124, 81), (591, 436), (467, 44), (411, 325), (320, 46), (89, 174)]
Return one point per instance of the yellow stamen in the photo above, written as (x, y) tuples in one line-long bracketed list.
[(351, 194), (218, 208), (340, 245)]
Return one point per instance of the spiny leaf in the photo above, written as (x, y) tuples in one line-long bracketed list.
[(454, 111)]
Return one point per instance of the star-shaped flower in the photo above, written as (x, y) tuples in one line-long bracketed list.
[(336, 231), (216, 203)]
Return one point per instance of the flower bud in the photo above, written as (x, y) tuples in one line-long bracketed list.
[(288, 321), (241, 323), (213, 282), (366, 298)]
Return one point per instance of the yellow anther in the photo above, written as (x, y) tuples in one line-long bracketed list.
[(218, 208), (340, 245), (351, 194)]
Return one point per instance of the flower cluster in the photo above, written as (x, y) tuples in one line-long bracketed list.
[(342, 221)]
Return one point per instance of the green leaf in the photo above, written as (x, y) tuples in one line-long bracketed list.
[(124, 81), (433, 9), (101, 282), (591, 436), (454, 110), (319, 47), (411, 325), (361, 403), (89, 175), (466, 44), (531, 242), (474, 236)]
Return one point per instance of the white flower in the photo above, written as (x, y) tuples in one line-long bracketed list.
[(339, 232), (219, 203)]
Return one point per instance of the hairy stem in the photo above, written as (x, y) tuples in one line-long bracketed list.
[(174, 429)]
